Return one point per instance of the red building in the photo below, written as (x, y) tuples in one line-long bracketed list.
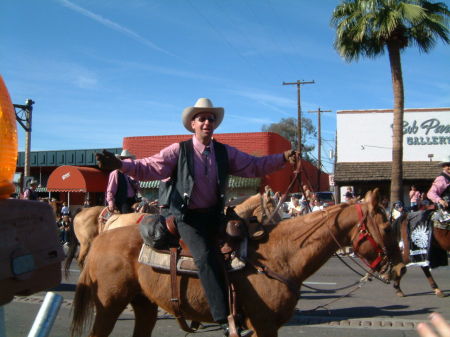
[(254, 143)]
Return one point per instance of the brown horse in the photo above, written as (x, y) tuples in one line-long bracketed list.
[(295, 249), (440, 237)]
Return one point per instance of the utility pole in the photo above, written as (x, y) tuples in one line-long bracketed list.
[(299, 113), (23, 116), (319, 144)]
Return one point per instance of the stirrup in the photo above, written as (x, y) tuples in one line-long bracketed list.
[(240, 331)]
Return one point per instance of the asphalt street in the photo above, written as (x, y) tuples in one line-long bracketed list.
[(333, 304)]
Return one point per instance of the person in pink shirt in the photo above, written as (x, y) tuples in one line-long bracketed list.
[(30, 193), (199, 170), (122, 189), (439, 192)]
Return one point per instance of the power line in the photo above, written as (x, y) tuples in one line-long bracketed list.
[(319, 142), (299, 113)]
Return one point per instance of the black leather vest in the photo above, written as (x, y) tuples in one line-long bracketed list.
[(182, 182), (121, 194)]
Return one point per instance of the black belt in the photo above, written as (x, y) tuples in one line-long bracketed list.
[(208, 210)]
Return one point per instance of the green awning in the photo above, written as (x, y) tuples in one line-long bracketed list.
[(149, 184), (239, 182), (233, 182)]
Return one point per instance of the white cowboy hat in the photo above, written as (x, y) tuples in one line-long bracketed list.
[(202, 105), (125, 154), (445, 160), (33, 182)]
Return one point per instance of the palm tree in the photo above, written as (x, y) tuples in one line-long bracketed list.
[(369, 27)]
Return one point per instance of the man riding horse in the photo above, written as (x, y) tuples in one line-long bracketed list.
[(439, 192), (199, 170)]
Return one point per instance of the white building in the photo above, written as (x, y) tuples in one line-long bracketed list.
[(364, 148)]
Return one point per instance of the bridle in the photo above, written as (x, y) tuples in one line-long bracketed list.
[(267, 219), (363, 234)]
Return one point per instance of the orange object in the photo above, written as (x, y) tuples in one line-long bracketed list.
[(8, 142)]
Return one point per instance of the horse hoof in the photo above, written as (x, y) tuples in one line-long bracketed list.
[(439, 293), (400, 293)]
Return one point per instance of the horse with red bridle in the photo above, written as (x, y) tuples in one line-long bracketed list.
[(291, 252)]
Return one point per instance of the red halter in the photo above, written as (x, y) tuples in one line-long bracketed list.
[(364, 235)]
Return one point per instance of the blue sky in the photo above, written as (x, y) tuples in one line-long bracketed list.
[(103, 70)]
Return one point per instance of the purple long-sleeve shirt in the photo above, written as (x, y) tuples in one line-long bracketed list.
[(113, 184), (204, 193), (440, 184)]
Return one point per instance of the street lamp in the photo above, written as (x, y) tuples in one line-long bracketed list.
[(24, 117)]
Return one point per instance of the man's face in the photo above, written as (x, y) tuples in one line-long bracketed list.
[(446, 169), (204, 124)]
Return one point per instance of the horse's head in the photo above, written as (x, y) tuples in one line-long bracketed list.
[(374, 241), (259, 207)]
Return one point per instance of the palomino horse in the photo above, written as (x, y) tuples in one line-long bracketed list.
[(294, 249), (86, 227), (440, 237)]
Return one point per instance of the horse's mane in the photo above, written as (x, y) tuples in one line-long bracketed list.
[(306, 225)]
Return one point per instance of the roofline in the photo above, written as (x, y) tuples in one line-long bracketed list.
[(390, 110)]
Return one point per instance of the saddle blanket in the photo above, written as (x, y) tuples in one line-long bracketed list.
[(160, 260), (423, 249), (419, 236)]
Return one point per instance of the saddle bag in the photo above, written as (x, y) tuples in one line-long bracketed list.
[(154, 232)]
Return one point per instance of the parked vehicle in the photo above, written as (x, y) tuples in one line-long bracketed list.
[(326, 198)]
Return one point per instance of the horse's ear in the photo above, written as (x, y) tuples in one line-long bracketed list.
[(266, 196), (373, 199), (376, 195)]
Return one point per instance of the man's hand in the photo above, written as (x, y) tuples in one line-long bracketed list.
[(443, 203), (107, 161), (291, 156)]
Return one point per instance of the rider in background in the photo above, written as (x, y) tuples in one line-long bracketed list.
[(122, 189), (439, 192), (30, 193)]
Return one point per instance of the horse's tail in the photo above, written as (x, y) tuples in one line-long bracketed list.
[(73, 247), (83, 305)]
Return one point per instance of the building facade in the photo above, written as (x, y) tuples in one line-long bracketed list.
[(72, 182), (364, 148)]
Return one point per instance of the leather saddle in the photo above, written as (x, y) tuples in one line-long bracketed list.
[(176, 258), (160, 235)]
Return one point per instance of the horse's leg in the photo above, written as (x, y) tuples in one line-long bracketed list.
[(145, 313), (106, 317), (263, 328), (83, 250), (398, 291), (438, 292)]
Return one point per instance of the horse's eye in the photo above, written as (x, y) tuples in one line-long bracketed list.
[(387, 229)]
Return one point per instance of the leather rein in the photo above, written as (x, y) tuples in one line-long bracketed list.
[(363, 235)]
